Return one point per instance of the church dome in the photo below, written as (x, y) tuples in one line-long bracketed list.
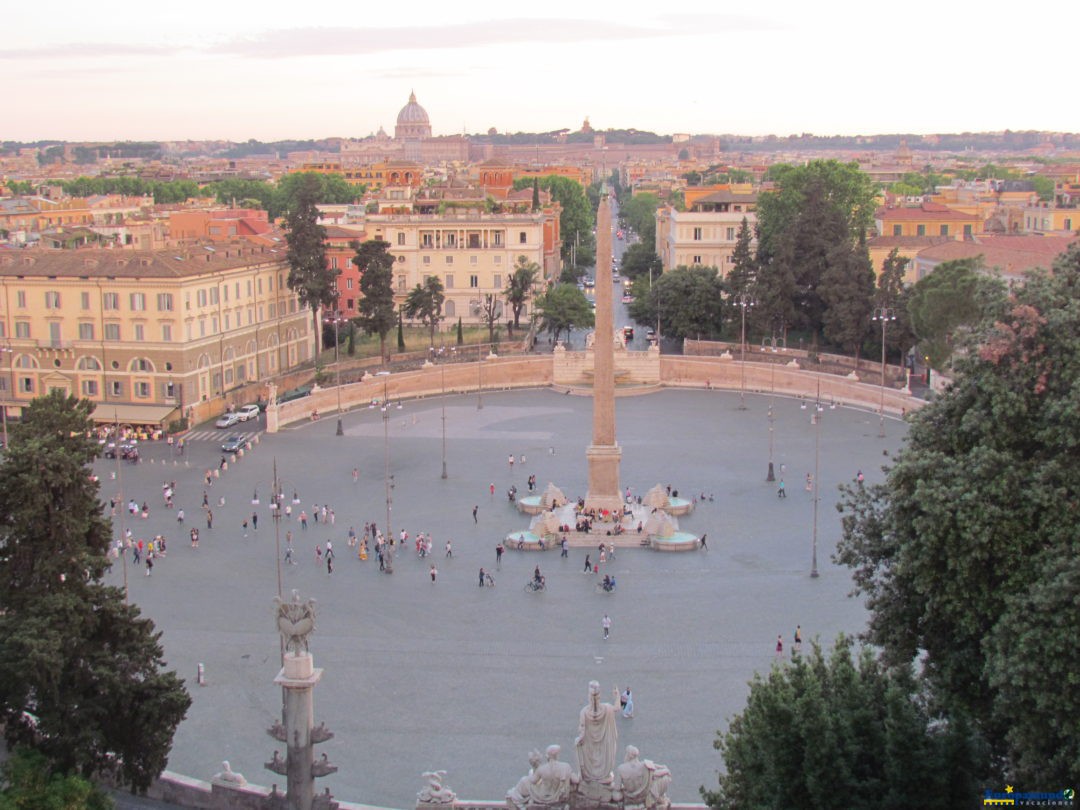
[(412, 113)]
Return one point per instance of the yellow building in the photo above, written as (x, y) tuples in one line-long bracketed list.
[(704, 236), (149, 336), (472, 253), (1048, 219), (928, 219)]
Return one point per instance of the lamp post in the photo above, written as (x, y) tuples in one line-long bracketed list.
[(883, 314), (479, 376), (816, 418), (275, 512), (771, 475), (337, 367), (742, 301), (388, 554), (123, 506), (442, 375)]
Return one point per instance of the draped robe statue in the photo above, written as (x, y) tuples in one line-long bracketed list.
[(598, 738)]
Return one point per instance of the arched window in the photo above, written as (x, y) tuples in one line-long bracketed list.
[(449, 310), (25, 361), (141, 364), (88, 364)]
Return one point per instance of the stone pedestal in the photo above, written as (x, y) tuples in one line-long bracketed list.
[(604, 490), (298, 678)]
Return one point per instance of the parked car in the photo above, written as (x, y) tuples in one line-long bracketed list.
[(125, 451), (248, 412), (233, 443), (628, 332), (227, 420)]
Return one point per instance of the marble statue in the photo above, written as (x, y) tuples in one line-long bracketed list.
[(435, 792), (228, 775), (642, 782), (277, 731), (277, 764), (295, 621), (322, 767), (517, 798), (321, 734), (598, 738), (550, 783)]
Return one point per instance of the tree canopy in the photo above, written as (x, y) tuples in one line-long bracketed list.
[(425, 302), (638, 260), (310, 276), (81, 673), (688, 301), (520, 287), (967, 554), (639, 212), (824, 732), (562, 308), (377, 313), (577, 219)]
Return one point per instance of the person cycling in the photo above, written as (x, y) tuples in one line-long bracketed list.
[(538, 578), (607, 582)]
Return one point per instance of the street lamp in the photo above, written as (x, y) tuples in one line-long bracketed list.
[(337, 367), (388, 553), (742, 301), (275, 512), (816, 419), (771, 476), (479, 376), (442, 374), (123, 506), (883, 314)]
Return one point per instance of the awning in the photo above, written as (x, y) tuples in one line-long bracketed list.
[(125, 414)]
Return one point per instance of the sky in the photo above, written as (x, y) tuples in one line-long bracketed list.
[(117, 69)]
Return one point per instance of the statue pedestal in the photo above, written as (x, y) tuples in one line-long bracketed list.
[(298, 678), (604, 477)]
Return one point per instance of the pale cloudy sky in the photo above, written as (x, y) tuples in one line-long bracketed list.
[(118, 69)]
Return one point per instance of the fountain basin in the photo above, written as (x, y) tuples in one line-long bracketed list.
[(678, 541), (530, 505)]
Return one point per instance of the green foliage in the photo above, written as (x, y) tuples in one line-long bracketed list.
[(460, 333), (20, 187), (847, 291), (400, 333), (967, 554), (892, 294), (688, 300), (310, 277), (825, 732), (425, 302), (949, 304), (377, 314), (578, 218), (520, 288), (638, 260), (351, 351), (743, 262), (1044, 187), (72, 654), (639, 212), (29, 784), (562, 308)]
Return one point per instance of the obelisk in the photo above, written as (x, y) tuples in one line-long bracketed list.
[(603, 454)]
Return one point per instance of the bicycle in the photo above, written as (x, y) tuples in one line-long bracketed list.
[(489, 580), (600, 588), (532, 586)]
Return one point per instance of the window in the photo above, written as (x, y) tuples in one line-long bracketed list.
[(920, 230), (400, 259), (1066, 226), (497, 239), (497, 281), (142, 389), (110, 301), (401, 238), (112, 331), (52, 300), (944, 230), (22, 329), (258, 281), (26, 385), (166, 332), (498, 259), (523, 238), (451, 240), (449, 283), (116, 388), (426, 260), (20, 299), (449, 259), (84, 300), (474, 260), (349, 281), (89, 388), (165, 302), (3, 330), (214, 323), (401, 283), (86, 331), (427, 240), (89, 364), (168, 390), (474, 240), (54, 333), (474, 281), (140, 332), (731, 234), (214, 293), (200, 297), (697, 234), (138, 301), (897, 230), (202, 327), (696, 260)]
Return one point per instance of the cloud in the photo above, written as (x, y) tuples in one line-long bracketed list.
[(88, 50)]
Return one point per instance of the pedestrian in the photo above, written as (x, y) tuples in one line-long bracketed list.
[(205, 500), (627, 701), (522, 459), (797, 646), (809, 482), (498, 556), (491, 489), (318, 554), (434, 573), (329, 549), (603, 554), (779, 646), (588, 565), (481, 576), (244, 525), (329, 564), (474, 510), (704, 545), (605, 623), (859, 477), (179, 515), (149, 563), (781, 492), (288, 555), (194, 538), (611, 552), (255, 521), (303, 520), (511, 462), (449, 549), (564, 547), (209, 518), (355, 475), (352, 537)]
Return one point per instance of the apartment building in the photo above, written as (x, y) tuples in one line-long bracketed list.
[(705, 235), (147, 335)]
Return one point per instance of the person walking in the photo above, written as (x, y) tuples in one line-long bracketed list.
[(288, 555), (704, 545), (797, 646), (180, 516), (481, 576), (498, 556), (474, 510), (605, 623), (194, 538), (209, 518), (511, 462), (329, 563), (303, 520), (781, 492), (149, 563), (355, 475), (564, 547), (779, 646), (244, 526), (329, 549), (255, 521), (434, 573), (449, 549), (627, 701), (491, 489), (588, 565)]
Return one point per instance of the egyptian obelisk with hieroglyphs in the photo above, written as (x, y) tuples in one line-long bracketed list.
[(603, 454)]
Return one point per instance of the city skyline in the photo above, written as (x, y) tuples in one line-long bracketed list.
[(204, 72)]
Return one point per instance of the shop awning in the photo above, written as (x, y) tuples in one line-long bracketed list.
[(125, 414)]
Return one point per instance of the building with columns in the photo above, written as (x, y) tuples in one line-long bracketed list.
[(148, 336)]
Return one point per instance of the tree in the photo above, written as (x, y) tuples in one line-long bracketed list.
[(310, 277), (426, 302), (29, 783), (967, 554), (892, 294), (820, 728), (948, 303), (376, 307), (639, 212), (688, 301), (81, 672), (847, 291), (562, 308), (460, 333), (520, 288), (400, 333), (743, 263), (490, 312), (578, 218), (536, 194), (638, 260)]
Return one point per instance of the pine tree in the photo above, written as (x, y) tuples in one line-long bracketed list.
[(377, 313), (309, 276)]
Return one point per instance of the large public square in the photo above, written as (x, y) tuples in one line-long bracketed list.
[(421, 676)]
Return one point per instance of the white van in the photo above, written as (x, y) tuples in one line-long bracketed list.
[(248, 412)]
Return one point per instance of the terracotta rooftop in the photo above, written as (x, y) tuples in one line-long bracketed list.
[(177, 262), (1012, 255), (912, 242), (934, 211)]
